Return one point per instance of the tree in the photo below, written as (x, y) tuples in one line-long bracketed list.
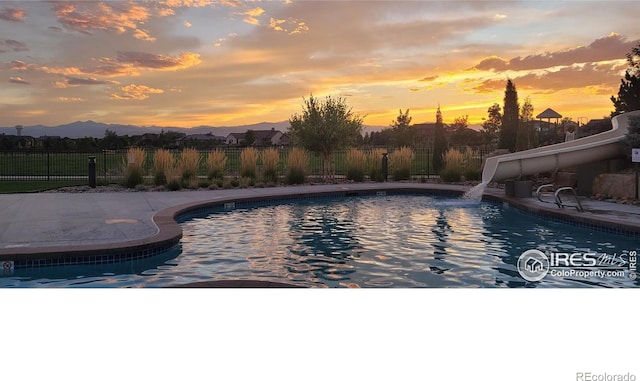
[(510, 118), (525, 137), (403, 133), (629, 92), (249, 138), (462, 134), (633, 136), (111, 140), (491, 125), (439, 143), (325, 127)]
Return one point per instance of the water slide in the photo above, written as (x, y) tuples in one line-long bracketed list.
[(602, 146)]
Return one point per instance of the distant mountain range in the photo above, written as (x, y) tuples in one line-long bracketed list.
[(97, 130)]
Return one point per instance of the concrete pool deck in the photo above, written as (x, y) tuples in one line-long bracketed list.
[(47, 225)]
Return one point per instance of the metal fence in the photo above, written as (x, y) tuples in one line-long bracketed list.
[(49, 165)]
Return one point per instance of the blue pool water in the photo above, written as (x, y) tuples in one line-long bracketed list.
[(373, 241)]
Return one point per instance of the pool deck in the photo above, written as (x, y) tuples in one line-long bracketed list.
[(33, 225)]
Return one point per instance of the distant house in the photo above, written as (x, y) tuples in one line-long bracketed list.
[(234, 138), (263, 138), (427, 131)]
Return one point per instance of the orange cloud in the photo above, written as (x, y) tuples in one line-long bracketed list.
[(606, 48), (126, 64), (250, 16), (291, 26), (159, 61), (13, 14), (186, 3), (590, 78), (66, 99), (135, 92), (19, 81), (117, 17)]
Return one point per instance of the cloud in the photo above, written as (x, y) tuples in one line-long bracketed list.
[(70, 99), (19, 81), (606, 48), (14, 45), (189, 3), (13, 14), (118, 17), (158, 61), (18, 65), (75, 81), (135, 92), (126, 64), (429, 79), (288, 26), (599, 78), (251, 15)]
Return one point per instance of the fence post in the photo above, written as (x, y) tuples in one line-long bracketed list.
[(48, 166), (385, 166), (104, 165), (92, 171), (428, 163)]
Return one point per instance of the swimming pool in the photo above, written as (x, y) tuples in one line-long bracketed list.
[(371, 241)]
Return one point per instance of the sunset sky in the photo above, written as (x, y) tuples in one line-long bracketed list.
[(198, 62)]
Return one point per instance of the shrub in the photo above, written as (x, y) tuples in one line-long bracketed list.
[(400, 162), (450, 175), (174, 179), (356, 165), (133, 171), (296, 166), (374, 161), (454, 159), (458, 162), (188, 165), (270, 160), (216, 164), (249, 162), (163, 163), (472, 174)]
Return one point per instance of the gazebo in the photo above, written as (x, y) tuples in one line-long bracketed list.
[(549, 114)]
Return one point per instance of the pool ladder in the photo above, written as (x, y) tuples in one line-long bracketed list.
[(558, 199)]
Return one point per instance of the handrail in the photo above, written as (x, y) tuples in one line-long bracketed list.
[(540, 188), (578, 205), (557, 198)]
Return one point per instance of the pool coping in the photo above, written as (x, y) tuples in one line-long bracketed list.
[(169, 231)]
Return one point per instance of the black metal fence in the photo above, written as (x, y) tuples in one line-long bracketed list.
[(49, 165)]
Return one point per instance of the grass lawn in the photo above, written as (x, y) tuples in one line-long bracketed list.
[(26, 186)]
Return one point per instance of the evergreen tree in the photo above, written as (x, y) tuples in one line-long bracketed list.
[(439, 143), (629, 93), (510, 118)]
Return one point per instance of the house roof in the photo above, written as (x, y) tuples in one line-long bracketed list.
[(549, 114), (259, 134)]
